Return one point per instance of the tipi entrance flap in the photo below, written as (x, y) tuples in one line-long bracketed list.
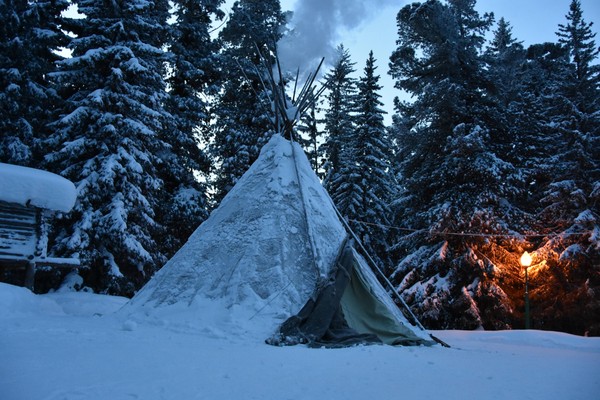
[(350, 308), (321, 323), (368, 309)]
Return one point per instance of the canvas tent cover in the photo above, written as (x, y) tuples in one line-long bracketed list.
[(269, 248)]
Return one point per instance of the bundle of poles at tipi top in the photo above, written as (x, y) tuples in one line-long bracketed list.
[(287, 111)]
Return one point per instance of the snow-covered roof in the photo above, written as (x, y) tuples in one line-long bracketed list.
[(34, 187)]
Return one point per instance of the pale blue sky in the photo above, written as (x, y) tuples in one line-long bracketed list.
[(533, 21)]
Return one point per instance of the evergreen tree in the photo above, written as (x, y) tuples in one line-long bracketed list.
[(578, 38), (512, 114), (366, 175), (29, 38), (109, 141), (193, 76), (339, 117), (504, 57), (536, 143), (569, 276), (243, 124), (454, 183), (572, 120), (578, 117), (548, 196)]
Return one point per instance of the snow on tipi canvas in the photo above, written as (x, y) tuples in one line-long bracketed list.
[(267, 250), (254, 250)]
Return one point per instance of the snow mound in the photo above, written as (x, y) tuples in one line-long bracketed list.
[(29, 186), (258, 257), (16, 301)]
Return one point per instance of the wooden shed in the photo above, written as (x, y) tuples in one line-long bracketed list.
[(28, 199)]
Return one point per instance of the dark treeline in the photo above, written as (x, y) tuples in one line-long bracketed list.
[(155, 117)]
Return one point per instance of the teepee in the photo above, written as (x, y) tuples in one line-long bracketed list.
[(274, 261)]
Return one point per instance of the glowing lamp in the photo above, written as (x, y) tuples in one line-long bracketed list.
[(526, 260), (526, 263)]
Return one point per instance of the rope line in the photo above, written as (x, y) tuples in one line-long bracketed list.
[(503, 235)]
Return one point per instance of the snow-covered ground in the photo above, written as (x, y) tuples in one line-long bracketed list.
[(73, 345)]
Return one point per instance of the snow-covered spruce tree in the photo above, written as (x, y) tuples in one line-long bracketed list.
[(453, 183), (504, 57), (30, 35), (109, 141), (568, 293), (514, 114), (538, 150), (576, 114), (535, 142), (243, 111), (338, 119), (193, 76), (577, 36), (521, 84), (364, 182)]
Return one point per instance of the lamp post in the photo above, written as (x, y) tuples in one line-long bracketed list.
[(526, 263)]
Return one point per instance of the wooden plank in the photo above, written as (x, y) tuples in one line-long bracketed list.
[(19, 231), (23, 241), (58, 262), (14, 257), (12, 263), (9, 261), (30, 276)]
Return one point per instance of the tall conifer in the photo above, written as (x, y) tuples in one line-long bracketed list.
[(30, 36), (243, 110), (339, 116), (572, 195), (454, 182), (193, 77), (366, 170), (109, 141), (569, 286)]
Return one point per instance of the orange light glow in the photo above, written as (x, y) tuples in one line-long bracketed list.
[(526, 260)]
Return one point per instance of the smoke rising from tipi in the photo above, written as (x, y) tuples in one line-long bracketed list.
[(316, 26)]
